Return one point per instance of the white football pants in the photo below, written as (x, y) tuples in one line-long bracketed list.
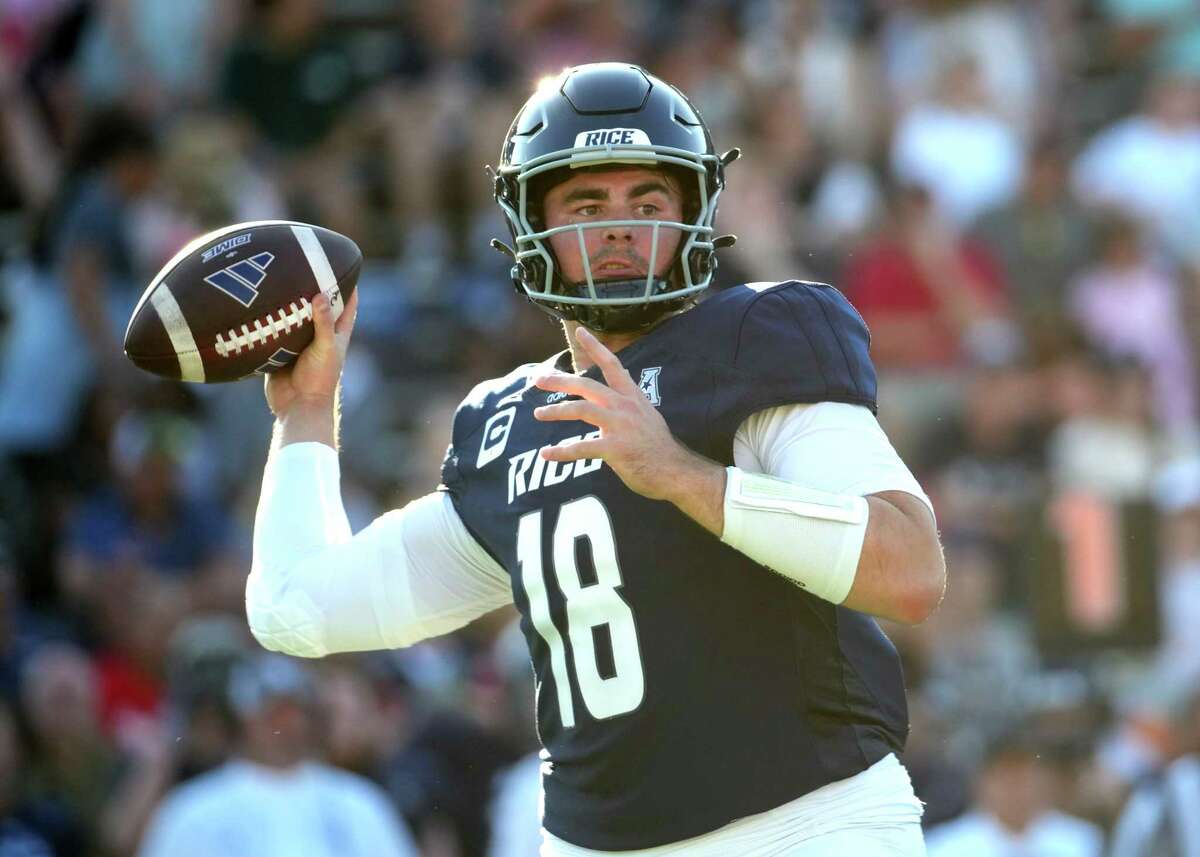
[(872, 814)]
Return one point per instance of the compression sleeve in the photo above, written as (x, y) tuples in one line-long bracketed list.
[(827, 446), (315, 589)]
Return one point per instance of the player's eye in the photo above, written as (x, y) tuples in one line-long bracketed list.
[(647, 209), (588, 211)]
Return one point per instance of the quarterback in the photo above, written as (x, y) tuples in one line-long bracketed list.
[(692, 506)]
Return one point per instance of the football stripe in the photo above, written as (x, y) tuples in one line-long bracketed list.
[(191, 367), (319, 262)]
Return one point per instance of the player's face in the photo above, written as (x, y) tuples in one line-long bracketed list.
[(614, 252)]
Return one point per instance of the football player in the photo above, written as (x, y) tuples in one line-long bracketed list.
[(692, 506)]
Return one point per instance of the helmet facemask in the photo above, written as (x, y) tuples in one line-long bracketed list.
[(620, 304)]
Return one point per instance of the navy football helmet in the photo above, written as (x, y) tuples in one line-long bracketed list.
[(595, 115)]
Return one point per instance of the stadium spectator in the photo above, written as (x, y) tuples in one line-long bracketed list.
[(1149, 164), (80, 290), (130, 656), (444, 776), (553, 34), (71, 768), (515, 809), (1011, 813), (30, 175), (200, 656), (41, 109), (915, 41), (21, 521), (1130, 306), (773, 190), (516, 789), (1040, 240), (984, 460), (194, 734), (208, 181), (941, 782), (935, 305), (367, 715), (160, 57), (1176, 494), (817, 49), (451, 77), (969, 159), (19, 823), (275, 799), (1160, 817), (977, 657), (150, 525), (286, 62), (1104, 442), (22, 629)]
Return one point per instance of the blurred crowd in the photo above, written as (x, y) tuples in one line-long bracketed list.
[(1009, 192)]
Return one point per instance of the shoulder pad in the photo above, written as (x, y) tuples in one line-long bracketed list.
[(486, 396), (793, 327), (485, 402), (783, 343)]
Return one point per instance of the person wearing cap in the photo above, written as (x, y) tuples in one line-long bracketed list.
[(274, 797)]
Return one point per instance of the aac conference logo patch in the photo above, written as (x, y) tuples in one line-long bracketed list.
[(648, 384), (241, 279)]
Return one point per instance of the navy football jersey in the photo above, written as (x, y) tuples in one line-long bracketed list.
[(680, 685)]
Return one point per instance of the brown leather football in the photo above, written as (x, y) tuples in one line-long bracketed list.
[(238, 301)]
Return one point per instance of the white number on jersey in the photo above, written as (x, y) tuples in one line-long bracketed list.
[(588, 607)]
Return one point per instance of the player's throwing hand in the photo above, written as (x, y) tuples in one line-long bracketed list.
[(313, 378), (634, 437)]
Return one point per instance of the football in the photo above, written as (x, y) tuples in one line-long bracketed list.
[(238, 301)]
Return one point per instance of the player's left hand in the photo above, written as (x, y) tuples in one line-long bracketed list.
[(634, 439)]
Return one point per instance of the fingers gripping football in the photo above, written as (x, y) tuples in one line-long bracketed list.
[(313, 377), (634, 439)]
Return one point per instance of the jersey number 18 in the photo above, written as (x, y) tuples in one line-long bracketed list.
[(588, 607)]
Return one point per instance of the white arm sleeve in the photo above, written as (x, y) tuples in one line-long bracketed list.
[(315, 589), (827, 446)]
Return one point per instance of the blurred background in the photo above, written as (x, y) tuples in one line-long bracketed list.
[(1008, 191)]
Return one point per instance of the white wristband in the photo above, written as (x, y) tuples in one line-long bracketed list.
[(811, 537)]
